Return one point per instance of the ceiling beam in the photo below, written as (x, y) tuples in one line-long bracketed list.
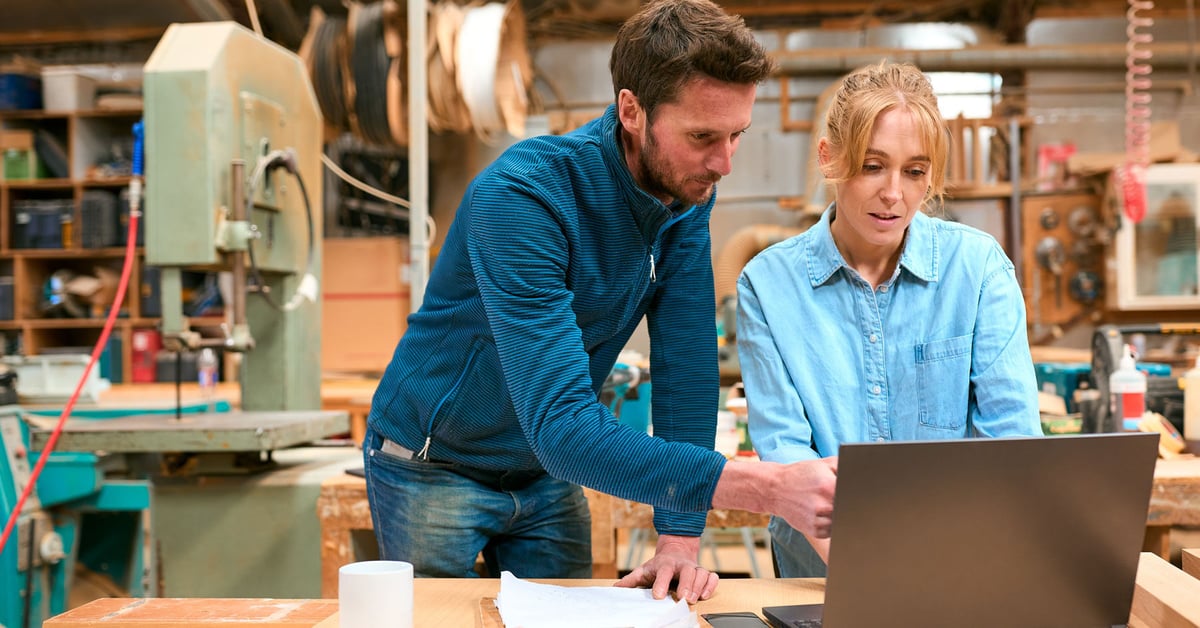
[(101, 35)]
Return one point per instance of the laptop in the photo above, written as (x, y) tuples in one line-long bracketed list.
[(985, 532)]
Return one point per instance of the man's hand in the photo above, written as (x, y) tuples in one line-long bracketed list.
[(800, 492), (807, 501), (675, 558)]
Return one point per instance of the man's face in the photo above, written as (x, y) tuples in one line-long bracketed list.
[(690, 144)]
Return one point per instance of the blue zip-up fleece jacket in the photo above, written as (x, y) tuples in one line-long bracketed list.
[(554, 257)]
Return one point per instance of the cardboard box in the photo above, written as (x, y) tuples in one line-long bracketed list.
[(365, 300)]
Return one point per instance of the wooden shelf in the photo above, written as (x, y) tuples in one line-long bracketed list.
[(66, 323), (39, 184), (51, 254), (86, 138), (108, 113), (35, 114), (98, 323), (42, 114), (106, 182)]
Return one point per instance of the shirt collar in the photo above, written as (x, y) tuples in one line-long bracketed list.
[(919, 257)]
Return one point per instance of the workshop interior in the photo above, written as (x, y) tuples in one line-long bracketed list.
[(216, 216)]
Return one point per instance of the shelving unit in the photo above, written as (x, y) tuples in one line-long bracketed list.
[(85, 138)]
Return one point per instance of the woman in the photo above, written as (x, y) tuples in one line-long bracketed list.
[(880, 322)]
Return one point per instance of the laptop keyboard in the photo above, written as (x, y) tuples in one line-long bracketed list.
[(804, 623)]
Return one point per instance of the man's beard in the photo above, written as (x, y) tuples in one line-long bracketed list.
[(657, 180)]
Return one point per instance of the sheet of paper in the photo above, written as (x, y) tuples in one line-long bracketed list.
[(532, 605)]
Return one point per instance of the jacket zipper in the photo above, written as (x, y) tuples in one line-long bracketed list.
[(424, 453)]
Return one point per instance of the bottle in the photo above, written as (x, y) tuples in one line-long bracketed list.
[(206, 372), (736, 403), (1127, 387), (1191, 402)]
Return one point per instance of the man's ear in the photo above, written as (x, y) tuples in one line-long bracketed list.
[(630, 113)]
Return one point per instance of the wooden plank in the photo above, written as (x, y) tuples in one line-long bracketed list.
[(1163, 596), (1175, 499), (1191, 562), (1157, 540), (178, 612)]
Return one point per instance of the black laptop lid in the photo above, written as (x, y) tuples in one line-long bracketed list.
[(989, 532)]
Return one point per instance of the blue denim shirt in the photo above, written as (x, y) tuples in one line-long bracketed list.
[(938, 351)]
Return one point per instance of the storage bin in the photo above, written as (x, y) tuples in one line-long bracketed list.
[(64, 88), (99, 220), (52, 378), (6, 299), (20, 91), (18, 155), (42, 224)]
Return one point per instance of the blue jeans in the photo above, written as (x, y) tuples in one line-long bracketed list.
[(793, 555), (438, 519)]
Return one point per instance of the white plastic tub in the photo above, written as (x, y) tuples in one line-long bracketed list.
[(64, 88), (52, 378)]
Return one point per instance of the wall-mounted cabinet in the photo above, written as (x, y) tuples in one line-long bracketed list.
[(64, 215)]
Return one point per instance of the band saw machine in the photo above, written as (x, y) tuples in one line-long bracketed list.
[(233, 142)]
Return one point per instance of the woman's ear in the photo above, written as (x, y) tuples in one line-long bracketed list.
[(824, 156)]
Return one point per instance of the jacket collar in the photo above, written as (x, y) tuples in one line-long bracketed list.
[(919, 257)]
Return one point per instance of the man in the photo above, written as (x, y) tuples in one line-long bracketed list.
[(488, 419)]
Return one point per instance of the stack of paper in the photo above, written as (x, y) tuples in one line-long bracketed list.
[(532, 605)]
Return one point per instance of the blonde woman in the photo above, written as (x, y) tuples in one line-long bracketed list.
[(880, 322)]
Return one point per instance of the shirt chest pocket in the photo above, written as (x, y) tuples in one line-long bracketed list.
[(944, 378)]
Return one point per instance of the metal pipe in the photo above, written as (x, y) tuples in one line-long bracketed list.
[(237, 259), (1014, 203), (986, 58), (418, 156)]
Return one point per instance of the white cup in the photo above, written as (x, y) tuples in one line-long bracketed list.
[(375, 594)]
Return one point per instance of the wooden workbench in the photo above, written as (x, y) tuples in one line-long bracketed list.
[(342, 507), (1163, 596)]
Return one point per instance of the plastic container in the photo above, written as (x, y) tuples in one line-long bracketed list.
[(52, 378), (1127, 387), (1191, 402), (736, 403), (66, 89), (206, 374)]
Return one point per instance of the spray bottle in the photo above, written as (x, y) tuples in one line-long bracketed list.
[(1191, 402), (1127, 386)]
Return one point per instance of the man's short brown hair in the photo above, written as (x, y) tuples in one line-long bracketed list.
[(670, 42)]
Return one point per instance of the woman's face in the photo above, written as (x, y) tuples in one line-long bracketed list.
[(875, 206)]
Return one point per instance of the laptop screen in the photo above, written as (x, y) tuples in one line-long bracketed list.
[(989, 532)]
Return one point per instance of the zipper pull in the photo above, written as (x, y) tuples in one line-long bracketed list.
[(424, 453), (652, 277)]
